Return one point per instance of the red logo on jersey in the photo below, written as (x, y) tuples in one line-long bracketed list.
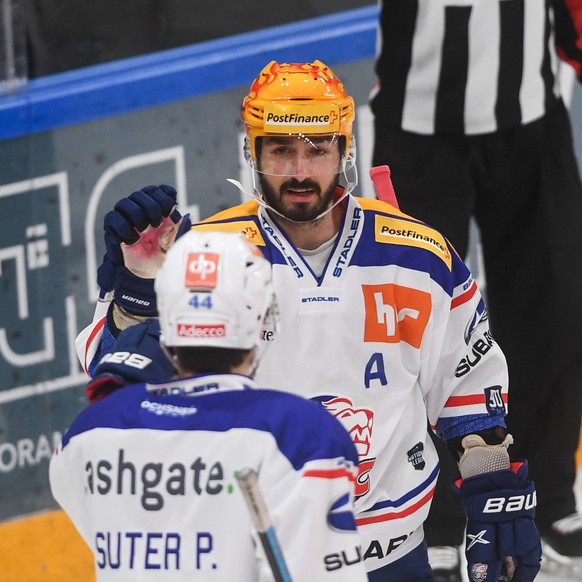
[(395, 314), (202, 270), (359, 422)]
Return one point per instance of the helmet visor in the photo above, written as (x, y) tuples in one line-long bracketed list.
[(301, 155)]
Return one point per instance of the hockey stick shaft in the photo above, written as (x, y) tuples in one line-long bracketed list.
[(248, 482), (383, 185)]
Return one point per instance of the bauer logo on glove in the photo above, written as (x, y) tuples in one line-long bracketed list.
[(513, 503)]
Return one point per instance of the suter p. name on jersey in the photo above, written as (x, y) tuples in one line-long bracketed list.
[(393, 330), (148, 480)]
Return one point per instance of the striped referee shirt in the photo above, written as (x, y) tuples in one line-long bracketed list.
[(465, 66)]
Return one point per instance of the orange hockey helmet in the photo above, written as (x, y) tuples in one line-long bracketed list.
[(297, 99)]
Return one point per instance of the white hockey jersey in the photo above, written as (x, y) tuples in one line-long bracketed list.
[(147, 476), (393, 332)]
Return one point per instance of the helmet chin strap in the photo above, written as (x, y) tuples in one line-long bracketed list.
[(261, 201)]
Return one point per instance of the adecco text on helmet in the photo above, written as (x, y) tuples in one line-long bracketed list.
[(202, 331)]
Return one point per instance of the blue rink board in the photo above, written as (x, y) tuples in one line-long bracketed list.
[(125, 85)]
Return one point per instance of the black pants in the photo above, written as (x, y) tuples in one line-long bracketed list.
[(523, 188)]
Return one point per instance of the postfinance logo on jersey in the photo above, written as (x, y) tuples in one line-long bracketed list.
[(403, 232), (395, 313)]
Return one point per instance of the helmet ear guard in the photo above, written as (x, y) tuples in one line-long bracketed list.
[(247, 149)]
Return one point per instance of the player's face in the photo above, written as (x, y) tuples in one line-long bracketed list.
[(299, 175)]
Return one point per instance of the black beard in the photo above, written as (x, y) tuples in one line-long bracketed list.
[(298, 212)]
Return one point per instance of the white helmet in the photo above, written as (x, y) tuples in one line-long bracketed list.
[(215, 290)]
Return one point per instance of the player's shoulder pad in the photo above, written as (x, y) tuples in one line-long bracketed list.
[(242, 218), (379, 205), (392, 226)]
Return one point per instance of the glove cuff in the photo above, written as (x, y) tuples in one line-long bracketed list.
[(480, 457), (135, 294)]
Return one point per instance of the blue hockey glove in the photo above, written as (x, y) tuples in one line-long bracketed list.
[(138, 232), (500, 508), (138, 357)]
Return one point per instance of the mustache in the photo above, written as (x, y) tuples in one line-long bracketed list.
[(294, 183)]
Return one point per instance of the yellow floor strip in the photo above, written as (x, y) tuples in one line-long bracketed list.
[(44, 548)]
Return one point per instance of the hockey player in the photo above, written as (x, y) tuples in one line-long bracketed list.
[(381, 322), (147, 474)]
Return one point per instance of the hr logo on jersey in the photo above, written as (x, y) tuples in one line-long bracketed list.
[(395, 313), (202, 270), (359, 423)]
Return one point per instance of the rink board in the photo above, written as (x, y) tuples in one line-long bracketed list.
[(73, 145)]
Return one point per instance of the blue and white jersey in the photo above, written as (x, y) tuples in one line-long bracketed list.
[(147, 476), (394, 331)]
